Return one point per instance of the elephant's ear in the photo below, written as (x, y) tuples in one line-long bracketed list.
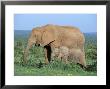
[(48, 37)]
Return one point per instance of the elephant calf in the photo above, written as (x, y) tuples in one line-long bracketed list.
[(61, 53), (66, 54)]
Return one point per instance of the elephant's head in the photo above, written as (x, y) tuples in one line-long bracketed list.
[(39, 36)]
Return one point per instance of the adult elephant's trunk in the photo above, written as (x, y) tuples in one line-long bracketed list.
[(26, 52)]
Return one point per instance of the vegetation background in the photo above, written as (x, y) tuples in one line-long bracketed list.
[(36, 66)]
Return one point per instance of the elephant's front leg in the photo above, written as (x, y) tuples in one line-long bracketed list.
[(46, 55)]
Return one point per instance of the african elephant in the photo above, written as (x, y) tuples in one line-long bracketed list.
[(54, 36)]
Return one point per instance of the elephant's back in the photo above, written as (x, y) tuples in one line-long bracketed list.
[(70, 30), (71, 36)]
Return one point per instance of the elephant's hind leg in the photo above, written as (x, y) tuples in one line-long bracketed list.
[(82, 60)]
